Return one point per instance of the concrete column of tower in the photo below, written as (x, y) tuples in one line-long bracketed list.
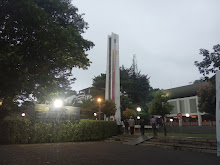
[(112, 88)]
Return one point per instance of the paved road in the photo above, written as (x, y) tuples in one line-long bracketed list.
[(99, 153)]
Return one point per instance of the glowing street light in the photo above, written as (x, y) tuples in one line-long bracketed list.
[(138, 117), (138, 109), (58, 103), (171, 120), (23, 114), (187, 115), (99, 101)]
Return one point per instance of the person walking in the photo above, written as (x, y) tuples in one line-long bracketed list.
[(153, 123), (126, 125), (142, 126), (131, 123)]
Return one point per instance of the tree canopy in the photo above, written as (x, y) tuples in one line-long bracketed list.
[(41, 41), (207, 92), (98, 86), (160, 106), (135, 88), (108, 108), (129, 112), (211, 61), (207, 98)]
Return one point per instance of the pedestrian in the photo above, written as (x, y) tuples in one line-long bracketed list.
[(126, 125), (131, 123), (153, 123), (142, 126)]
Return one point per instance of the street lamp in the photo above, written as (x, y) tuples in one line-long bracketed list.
[(99, 101), (171, 120), (58, 103), (138, 109), (23, 114), (187, 116)]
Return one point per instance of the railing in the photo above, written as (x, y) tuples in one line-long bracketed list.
[(208, 123), (204, 123)]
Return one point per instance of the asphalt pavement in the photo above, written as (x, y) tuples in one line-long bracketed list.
[(99, 153)]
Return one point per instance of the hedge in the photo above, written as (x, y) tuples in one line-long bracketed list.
[(21, 131)]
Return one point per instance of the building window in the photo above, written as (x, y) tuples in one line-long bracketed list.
[(174, 104), (193, 107), (182, 106)]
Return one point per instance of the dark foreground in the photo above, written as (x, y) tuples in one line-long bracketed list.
[(99, 153)]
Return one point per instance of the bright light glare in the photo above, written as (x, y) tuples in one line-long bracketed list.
[(99, 100), (23, 114), (95, 114), (171, 119), (187, 115), (58, 103), (138, 109), (138, 117)]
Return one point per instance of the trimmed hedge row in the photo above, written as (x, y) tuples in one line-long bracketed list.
[(20, 131)]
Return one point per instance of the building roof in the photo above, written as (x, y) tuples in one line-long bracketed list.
[(184, 91)]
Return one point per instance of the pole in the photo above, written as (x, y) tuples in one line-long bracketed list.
[(99, 111)]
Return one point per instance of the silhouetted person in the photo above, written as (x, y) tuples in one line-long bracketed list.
[(142, 126), (126, 125), (153, 123), (131, 123)]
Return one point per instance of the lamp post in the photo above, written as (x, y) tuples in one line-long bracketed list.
[(187, 117), (171, 120), (138, 110), (99, 101), (95, 114)]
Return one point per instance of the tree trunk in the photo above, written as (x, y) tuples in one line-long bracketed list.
[(164, 127)]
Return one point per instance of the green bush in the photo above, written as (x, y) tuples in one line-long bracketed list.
[(15, 131), (23, 131)]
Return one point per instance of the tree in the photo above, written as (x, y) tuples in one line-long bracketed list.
[(98, 86), (207, 98), (129, 112), (126, 102), (87, 108), (207, 92), (161, 107), (41, 41), (108, 108), (134, 87), (211, 61)]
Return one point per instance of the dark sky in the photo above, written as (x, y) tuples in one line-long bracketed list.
[(165, 35)]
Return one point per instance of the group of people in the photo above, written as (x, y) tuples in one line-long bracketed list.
[(131, 124)]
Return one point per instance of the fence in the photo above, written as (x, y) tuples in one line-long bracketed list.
[(204, 123)]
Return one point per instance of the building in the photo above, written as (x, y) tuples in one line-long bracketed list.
[(185, 102), (83, 94)]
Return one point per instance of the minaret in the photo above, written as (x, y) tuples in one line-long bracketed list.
[(112, 86)]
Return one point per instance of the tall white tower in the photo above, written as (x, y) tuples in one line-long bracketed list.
[(112, 85)]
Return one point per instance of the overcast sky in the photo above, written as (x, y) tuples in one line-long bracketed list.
[(165, 35)]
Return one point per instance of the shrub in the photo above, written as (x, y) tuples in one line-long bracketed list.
[(23, 131)]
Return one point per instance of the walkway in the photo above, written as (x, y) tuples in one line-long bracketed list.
[(99, 153)]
